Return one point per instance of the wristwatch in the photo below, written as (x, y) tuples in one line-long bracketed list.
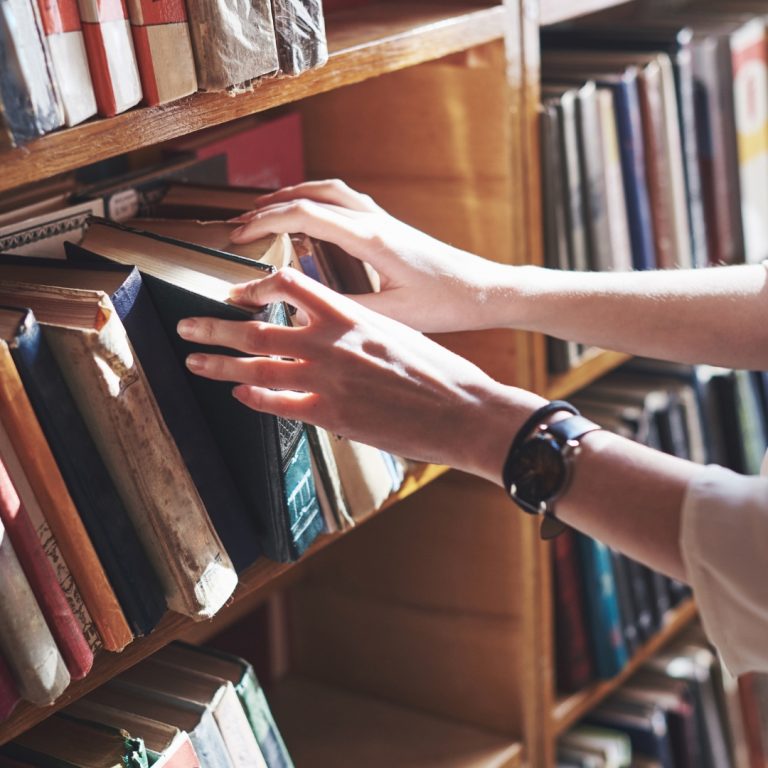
[(538, 468)]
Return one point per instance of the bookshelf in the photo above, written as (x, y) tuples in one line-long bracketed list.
[(431, 108)]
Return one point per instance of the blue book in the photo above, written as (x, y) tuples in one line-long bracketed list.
[(268, 457), (602, 604)]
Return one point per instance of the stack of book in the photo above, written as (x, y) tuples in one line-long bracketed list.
[(654, 142), (606, 604), (186, 707), (680, 710), (67, 60)]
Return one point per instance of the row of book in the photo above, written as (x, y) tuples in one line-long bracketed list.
[(680, 710), (654, 141), (130, 486), (186, 707), (606, 604), (65, 61)]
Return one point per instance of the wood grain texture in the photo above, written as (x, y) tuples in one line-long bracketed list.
[(553, 11), (597, 363), (365, 43)]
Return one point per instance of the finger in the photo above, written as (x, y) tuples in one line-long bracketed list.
[(332, 191), (259, 213), (249, 336), (299, 406), (307, 295), (261, 371)]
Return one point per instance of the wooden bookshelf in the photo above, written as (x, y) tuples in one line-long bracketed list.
[(554, 11), (597, 363), (263, 577), (570, 709), (363, 43)]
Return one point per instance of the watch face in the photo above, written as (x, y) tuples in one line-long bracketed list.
[(539, 471)]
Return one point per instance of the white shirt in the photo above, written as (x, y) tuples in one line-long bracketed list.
[(724, 543)]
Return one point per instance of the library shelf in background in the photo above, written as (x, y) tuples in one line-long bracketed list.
[(596, 363), (363, 43), (571, 708), (260, 579), (554, 11)]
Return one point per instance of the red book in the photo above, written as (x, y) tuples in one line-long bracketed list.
[(9, 694), (163, 49), (37, 568), (111, 58)]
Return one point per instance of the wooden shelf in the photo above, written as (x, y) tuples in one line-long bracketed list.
[(256, 582), (569, 709), (328, 728), (363, 43), (554, 11), (597, 363)]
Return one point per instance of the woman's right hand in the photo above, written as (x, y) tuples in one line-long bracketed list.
[(425, 283)]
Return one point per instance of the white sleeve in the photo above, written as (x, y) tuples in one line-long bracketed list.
[(724, 544)]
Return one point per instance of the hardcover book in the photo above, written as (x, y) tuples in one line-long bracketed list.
[(104, 376), (300, 34), (268, 456)]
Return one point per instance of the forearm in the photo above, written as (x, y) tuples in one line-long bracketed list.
[(717, 316)]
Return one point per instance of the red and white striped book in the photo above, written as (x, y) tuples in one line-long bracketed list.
[(69, 63), (163, 49), (111, 56)]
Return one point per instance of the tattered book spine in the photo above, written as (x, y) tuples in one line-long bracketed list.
[(300, 34)]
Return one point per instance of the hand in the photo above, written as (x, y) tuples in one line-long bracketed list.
[(428, 284), (363, 376)]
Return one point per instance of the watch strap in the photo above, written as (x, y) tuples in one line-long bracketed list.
[(571, 428)]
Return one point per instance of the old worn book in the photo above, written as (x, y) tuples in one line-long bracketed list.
[(69, 62), (233, 42), (66, 631), (267, 456), (26, 643), (300, 34), (111, 55), (163, 49), (30, 462), (216, 693), (99, 365), (28, 101), (180, 410), (61, 741), (9, 692), (240, 673)]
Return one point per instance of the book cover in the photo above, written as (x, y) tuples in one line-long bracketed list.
[(300, 35), (175, 399), (64, 627), (102, 511), (26, 643), (30, 105), (29, 460), (163, 49), (267, 456), (93, 352), (69, 61), (111, 56), (233, 42)]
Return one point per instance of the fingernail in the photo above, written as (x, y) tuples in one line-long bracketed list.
[(186, 327), (237, 292), (195, 362), (238, 219), (239, 392)]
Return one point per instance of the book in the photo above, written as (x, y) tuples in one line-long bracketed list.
[(300, 35), (233, 44), (62, 623), (242, 676), (29, 104), (26, 643), (215, 693), (163, 49), (61, 741), (181, 413), (29, 461), (69, 62), (267, 456), (93, 352), (614, 747), (100, 507), (111, 56)]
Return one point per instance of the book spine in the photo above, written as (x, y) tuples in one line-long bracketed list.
[(300, 35), (62, 623), (25, 641), (48, 486), (69, 61), (111, 57)]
